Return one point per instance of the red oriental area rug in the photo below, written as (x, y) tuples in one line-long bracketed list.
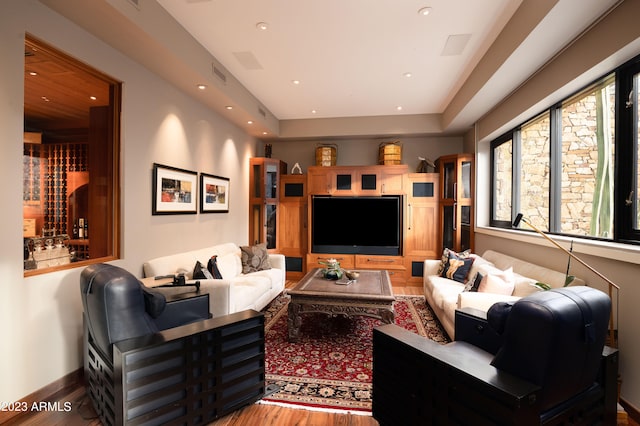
[(330, 367)]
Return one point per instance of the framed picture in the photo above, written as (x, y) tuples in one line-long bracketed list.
[(174, 190), (214, 194)]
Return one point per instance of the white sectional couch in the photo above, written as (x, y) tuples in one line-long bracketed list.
[(445, 295), (236, 291)]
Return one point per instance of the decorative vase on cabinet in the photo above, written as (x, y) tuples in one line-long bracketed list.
[(456, 201)]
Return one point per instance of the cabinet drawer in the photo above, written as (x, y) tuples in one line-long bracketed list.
[(313, 260), (379, 262)]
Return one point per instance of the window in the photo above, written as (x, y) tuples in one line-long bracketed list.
[(502, 154), (563, 166), (70, 161), (627, 173)]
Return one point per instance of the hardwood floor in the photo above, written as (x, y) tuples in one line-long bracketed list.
[(82, 413)]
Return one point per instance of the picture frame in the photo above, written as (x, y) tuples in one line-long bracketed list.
[(214, 194), (174, 190)]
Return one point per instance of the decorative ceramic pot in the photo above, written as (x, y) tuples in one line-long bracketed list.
[(332, 270), (332, 274)]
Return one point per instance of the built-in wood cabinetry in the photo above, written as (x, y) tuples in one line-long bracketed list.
[(421, 236), (456, 201), (356, 180), (264, 190), (288, 198), (293, 224)]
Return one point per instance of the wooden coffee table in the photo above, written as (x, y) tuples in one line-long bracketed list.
[(371, 295)]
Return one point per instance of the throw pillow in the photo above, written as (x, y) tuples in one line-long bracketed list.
[(212, 267), (457, 267), (201, 273), (444, 260), (255, 258), (473, 283), (498, 283)]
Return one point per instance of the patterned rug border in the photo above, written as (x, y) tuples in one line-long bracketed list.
[(314, 402)]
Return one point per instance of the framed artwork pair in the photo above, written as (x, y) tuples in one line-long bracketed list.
[(176, 191)]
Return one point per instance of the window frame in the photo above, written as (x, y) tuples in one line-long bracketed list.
[(111, 156), (624, 153)]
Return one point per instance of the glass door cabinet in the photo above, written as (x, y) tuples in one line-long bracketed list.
[(264, 176), (456, 201)]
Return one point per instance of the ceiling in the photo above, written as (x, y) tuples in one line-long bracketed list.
[(350, 57), (58, 91), (340, 62)]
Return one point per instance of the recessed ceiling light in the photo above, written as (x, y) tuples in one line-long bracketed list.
[(424, 11), (407, 74), (93, 98), (296, 82), (44, 98), (313, 111), (399, 108), (262, 26), (264, 133), (33, 73), (202, 86), (250, 122), (229, 107)]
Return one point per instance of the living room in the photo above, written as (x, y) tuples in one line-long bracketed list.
[(163, 124)]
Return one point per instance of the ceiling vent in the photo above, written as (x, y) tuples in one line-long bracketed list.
[(136, 3), (219, 73), (262, 112)]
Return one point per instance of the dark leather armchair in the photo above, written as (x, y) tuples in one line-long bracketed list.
[(162, 360), (551, 367)]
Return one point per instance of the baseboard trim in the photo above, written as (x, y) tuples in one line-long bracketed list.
[(47, 393), (631, 410)]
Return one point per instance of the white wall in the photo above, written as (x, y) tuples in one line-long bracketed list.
[(41, 315)]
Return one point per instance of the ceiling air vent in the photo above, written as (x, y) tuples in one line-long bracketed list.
[(262, 112), (219, 73)]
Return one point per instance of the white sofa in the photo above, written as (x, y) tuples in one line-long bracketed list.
[(445, 295), (235, 291)]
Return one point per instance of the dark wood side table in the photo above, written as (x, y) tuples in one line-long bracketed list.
[(185, 304), (472, 327)]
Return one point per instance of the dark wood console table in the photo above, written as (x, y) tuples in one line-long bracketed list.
[(371, 295)]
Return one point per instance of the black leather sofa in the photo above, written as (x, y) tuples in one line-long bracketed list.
[(551, 367), (153, 361)]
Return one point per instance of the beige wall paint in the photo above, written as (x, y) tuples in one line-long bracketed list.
[(364, 152), (41, 316)]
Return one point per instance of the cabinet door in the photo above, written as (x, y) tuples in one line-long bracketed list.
[(392, 179), (422, 236), (319, 181), (368, 181), (292, 224), (421, 231), (456, 200), (264, 178)]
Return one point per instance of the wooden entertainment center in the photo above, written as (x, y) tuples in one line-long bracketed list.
[(280, 212)]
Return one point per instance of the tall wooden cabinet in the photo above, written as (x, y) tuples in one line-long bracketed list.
[(456, 201), (421, 236), (293, 224), (264, 190)]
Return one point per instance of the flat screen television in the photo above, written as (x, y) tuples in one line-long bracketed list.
[(357, 225)]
